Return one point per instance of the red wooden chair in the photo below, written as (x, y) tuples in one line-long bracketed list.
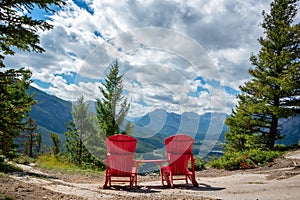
[(120, 160), (179, 156)]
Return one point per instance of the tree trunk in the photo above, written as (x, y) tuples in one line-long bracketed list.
[(31, 145), (80, 147), (271, 138)]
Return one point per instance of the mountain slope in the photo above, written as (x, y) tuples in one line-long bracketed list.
[(52, 113)]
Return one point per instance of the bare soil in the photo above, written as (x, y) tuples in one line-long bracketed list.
[(278, 180)]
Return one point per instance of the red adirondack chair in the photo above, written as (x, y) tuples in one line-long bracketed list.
[(120, 160), (179, 156)]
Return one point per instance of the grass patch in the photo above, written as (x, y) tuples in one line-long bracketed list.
[(53, 163), (255, 183), (6, 197)]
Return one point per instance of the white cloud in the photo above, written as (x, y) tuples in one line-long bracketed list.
[(160, 65)]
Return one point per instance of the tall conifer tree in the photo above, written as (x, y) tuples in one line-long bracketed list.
[(18, 30), (113, 107), (15, 104), (81, 132), (274, 90)]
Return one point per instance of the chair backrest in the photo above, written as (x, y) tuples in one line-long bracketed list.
[(179, 152), (120, 156)]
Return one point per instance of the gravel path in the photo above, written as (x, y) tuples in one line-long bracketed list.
[(281, 180)]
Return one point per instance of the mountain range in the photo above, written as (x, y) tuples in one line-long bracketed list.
[(52, 114)]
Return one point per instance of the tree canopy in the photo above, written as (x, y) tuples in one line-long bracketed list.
[(274, 89), (81, 135), (113, 107), (18, 29), (15, 105)]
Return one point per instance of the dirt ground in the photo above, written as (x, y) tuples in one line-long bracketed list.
[(278, 180)]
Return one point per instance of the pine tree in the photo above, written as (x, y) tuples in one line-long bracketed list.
[(56, 143), (15, 104), (18, 29), (38, 142), (30, 136), (112, 108), (78, 130), (274, 90), (84, 143)]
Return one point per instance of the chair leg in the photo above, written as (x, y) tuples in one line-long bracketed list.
[(166, 177), (194, 181), (105, 183), (131, 180), (135, 179), (171, 180)]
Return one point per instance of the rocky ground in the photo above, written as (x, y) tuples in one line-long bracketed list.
[(278, 180)]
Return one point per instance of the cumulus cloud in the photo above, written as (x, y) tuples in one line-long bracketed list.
[(163, 48)]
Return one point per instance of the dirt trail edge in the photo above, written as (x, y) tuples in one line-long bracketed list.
[(280, 180)]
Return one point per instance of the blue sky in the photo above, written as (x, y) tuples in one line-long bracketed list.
[(177, 55)]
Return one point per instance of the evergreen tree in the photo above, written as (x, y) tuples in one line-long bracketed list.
[(30, 136), (38, 142), (241, 136), (81, 136), (274, 90), (56, 143), (112, 108), (15, 104), (19, 29)]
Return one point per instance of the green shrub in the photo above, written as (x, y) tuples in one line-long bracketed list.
[(229, 161), (6, 167), (244, 160), (260, 157), (23, 159), (280, 147), (199, 164)]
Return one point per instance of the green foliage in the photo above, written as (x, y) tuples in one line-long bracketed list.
[(18, 29), (112, 108), (38, 142), (199, 164), (228, 161), (29, 139), (56, 143), (23, 159), (244, 160), (60, 163), (54, 162), (6, 167), (240, 136), (273, 91), (280, 147), (83, 133), (6, 197), (15, 105)]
